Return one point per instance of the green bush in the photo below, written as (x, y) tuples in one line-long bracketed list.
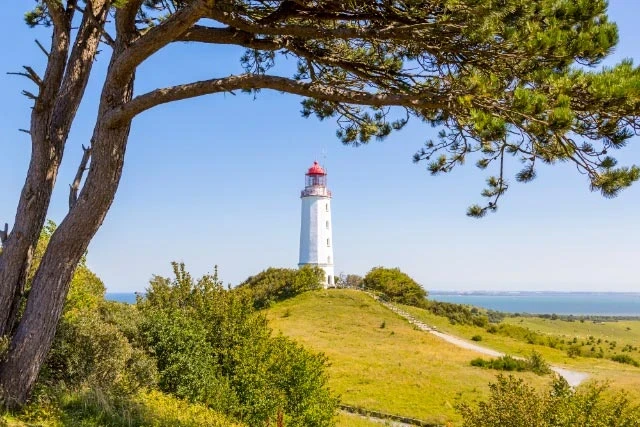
[(458, 313), (396, 286), (515, 404), (476, 338), (626, 359), (277, 284), (93, 350), (212, 347), (535, 363), (574, 351)]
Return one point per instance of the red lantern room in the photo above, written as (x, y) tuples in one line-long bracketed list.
[(316, 182), (316, 176)]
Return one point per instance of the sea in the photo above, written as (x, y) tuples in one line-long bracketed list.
[(563, 303)]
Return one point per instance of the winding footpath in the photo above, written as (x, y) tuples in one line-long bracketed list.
[(574, 378)]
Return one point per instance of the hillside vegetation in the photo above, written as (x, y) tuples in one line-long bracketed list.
[(189, 353), (561, 342), (380, 362)]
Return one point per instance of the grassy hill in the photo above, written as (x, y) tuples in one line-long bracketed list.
[(379, 361)]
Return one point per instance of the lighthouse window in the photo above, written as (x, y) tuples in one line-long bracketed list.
[(328, 260), (326, 206), (328, 242), (327, 225)]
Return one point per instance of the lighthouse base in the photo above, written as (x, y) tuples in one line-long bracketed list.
[(329, 279)]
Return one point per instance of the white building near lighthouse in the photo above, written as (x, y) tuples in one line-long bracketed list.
[(316, 243)]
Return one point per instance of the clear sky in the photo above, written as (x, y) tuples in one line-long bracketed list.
[(216, 180)]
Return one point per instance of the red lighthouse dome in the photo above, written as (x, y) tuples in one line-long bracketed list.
[(316, 169)]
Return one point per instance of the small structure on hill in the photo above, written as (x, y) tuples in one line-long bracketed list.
[(315, 225)]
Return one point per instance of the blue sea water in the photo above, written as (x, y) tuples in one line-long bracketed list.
[(128, 297), (602, 304)]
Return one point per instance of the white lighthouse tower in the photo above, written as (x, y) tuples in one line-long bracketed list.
[(316, 244)]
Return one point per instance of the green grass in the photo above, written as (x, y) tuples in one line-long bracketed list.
[(92, 409), (619, 376), (614, 336), (396, 369)]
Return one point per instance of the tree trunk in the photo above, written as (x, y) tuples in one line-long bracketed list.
[(59, 97), (36, 192), (36, 330)]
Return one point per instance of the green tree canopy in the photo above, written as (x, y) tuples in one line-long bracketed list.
[(395, 285), (276, 284)]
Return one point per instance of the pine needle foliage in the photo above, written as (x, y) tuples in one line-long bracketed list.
[(509, 80)]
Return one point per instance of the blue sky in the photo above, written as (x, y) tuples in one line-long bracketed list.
[(216, 180)]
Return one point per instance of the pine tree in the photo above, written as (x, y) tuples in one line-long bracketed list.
[(502, 79)]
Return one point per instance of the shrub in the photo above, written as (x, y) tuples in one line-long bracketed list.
[(396, 286), (496, 316), (212, 347), (458, 313), (277, 284), (96, 345), (513, 403), (626, 359), (504, 363), (535, 363), (480, 362), (476, 338), (574, 351)]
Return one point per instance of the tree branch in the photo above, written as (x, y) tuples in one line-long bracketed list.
[(30, 95), (391, 32), (79, 66), (42, 48), (126, 16), (156, 38), (75, 186), (202, 34), (4, 234), (30, 74), (259, 81)]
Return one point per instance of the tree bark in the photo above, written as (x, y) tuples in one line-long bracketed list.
[(36, 330)]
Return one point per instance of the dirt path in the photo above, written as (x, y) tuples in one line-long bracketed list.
[(574, 378)]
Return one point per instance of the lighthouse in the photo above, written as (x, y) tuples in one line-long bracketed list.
[(316, 243)]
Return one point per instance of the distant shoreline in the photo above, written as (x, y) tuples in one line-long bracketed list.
[(532, 293)]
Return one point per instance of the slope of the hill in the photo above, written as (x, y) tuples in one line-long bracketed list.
[(613, 336), (379, 361)]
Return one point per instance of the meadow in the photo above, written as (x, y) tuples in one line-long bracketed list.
[(379, 361), (516, 334)]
